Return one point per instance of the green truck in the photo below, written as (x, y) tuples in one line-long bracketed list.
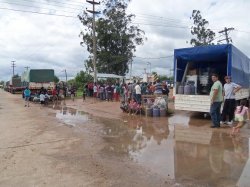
[(35, 79)]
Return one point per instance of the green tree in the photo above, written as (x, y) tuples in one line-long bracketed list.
[(71, 82), (203, 35), (116, 37), (162, 77), (82, 78)]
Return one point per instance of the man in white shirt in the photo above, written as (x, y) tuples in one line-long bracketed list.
[(230, 88), (42, 98), (138, 92)]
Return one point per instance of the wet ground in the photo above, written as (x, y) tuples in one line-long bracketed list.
[(95, 144), (181, 147)]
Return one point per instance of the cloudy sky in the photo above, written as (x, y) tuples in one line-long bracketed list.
[(38, 40)]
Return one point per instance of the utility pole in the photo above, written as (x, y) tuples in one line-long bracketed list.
[(27, 68), (131, 65), (66, 76), (149, 63), (94, 37), (13, 65), (226, 31)]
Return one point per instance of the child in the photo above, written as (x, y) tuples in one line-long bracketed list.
[(131, 106), (240, 113), (42, 98), (124, 106), (138, 108)]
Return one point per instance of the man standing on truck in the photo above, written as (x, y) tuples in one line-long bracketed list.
[(230, 88), (216, 100)]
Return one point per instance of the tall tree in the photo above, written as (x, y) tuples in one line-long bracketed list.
[(116, 37), (204, 36), (82, 78)]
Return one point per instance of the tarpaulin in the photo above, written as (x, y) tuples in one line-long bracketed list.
[(221, 59)]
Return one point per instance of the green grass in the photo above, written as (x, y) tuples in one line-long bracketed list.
[(79, 93)]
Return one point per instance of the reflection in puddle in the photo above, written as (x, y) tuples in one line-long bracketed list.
[(181, 147), (186, 152), (70, 116)]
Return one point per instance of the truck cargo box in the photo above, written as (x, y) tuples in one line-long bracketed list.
[(195, 66), (15, 82), (38, 75)]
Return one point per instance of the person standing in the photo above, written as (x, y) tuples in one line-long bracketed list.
[(158, 88), (27, 93), (230, 88), (54, 96), (95, 90), (216, 100), (84, 90), (138, 92), (110, 92), (130, 90)]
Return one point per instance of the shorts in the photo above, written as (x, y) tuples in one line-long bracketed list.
[(42, 102), (239, 117), (27, 98)]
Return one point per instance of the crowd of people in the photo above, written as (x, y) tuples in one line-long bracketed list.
[(124, 91), (129, 94)]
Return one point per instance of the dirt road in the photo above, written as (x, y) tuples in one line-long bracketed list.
[(93, 143), (38, 149)]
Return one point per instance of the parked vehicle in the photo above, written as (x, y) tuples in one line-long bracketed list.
[(15, 85), (193, 68), (37, 79)]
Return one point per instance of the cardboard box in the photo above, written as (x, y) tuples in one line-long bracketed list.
[(192, 72)]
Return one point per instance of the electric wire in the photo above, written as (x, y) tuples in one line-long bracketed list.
[(35, 12), (53, 5), (137, 23), (11, 3)]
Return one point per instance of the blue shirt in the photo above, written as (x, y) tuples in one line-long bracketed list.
[(158, 88), (27, 93)]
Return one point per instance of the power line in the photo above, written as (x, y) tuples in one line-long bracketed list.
[(148, 15), (139, 23), (159, 22), (159, 19), (34, 12), (73, 3), (242, 31), (35, 7), (54, 5), (181, 27)]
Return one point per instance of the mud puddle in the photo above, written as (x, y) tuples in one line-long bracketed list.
[(72, 117), (181, 148)]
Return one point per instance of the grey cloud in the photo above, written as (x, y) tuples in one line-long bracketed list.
[(41, 41)]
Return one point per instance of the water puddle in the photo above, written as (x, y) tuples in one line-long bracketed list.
[(72, 117), (180, 147)]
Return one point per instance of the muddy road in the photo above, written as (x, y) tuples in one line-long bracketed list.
[(93, 143)]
